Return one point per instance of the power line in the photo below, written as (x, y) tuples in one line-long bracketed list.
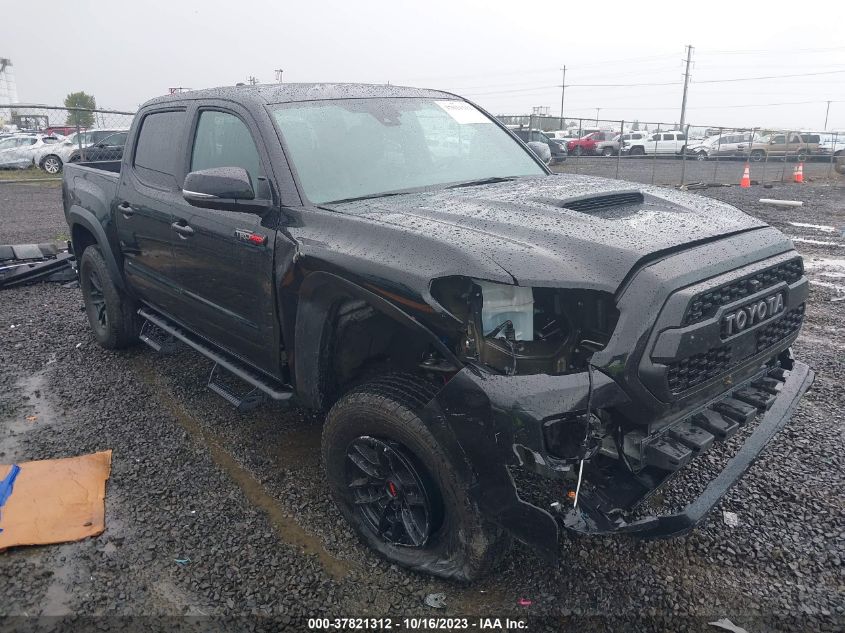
[(718, 81)]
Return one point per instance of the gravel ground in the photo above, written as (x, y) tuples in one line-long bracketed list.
[(242, 495)]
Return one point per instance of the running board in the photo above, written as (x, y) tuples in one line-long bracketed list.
[(262, 384)]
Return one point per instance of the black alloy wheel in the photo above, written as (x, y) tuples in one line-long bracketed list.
[(97, 301), (389, 492)]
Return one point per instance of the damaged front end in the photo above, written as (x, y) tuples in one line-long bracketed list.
[(568, 397)]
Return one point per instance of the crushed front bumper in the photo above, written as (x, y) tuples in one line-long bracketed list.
[(486, 423), (589, 518)]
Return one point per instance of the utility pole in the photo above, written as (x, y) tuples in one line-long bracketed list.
[(252, 80), (826, 112), (279, 72), (562, 93), (686, 85), (597, 116)]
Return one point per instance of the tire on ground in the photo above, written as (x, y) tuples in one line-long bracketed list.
[(122, 324), (463, 546)]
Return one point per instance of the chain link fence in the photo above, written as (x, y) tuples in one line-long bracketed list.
[(693, 155), (36, 141)]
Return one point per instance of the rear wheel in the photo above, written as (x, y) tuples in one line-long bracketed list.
[(111, 313), (757, 155), (397, 487), (52, 164)]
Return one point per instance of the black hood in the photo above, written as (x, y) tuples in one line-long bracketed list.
[(528, 226)]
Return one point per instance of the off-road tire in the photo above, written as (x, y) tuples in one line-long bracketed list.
[(122, 324), (464, 546)]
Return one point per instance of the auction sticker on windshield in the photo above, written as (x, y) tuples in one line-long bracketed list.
[(462, 112)]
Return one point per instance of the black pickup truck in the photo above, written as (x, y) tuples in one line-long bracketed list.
[(399, 259)]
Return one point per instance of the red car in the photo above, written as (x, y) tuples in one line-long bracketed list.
[(63, 130), (587, 143)]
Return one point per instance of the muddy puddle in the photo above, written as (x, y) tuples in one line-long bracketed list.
[(34, 414), (287, 528)]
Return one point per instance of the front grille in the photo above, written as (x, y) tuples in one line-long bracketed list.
[(704, 305), (689, 372), (596, 203), (780, 329), (698, 368)]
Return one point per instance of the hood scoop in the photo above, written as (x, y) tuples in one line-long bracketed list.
[(602, 202)]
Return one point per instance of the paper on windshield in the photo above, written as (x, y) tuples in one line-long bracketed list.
[(462, 112)]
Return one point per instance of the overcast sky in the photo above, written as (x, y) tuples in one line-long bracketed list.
[(504, 55)]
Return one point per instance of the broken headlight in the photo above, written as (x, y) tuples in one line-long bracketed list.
[(518, 330)]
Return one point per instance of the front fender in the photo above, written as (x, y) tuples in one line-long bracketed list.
[(320, 295)]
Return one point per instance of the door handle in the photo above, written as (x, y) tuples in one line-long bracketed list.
[(126, 209), (183, 230)]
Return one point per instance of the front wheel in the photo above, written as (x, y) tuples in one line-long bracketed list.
[(52, 164), (111, 313), (637, 151), (398, 488), (607, 151), (702, 155)]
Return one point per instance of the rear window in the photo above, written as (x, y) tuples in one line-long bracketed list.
[(159, 148)]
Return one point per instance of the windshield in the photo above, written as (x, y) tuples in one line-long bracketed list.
[(351, 148)]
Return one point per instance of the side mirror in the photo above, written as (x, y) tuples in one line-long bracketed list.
[(225, 188), (541, 150)]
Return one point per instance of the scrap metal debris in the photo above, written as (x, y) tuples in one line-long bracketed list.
[(782, 203), (22, 264), (436, 600), (724, 623)]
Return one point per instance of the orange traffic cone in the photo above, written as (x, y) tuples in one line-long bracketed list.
[(798, 176), (746, 178)]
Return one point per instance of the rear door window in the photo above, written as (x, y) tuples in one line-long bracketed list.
[(158, 151)]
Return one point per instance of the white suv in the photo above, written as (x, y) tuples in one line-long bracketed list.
[(51, 159), (662, 143)]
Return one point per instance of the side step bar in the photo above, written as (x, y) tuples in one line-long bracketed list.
[(262, 384)]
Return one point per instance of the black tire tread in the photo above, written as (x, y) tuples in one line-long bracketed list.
[(123, 320), (400, 395)]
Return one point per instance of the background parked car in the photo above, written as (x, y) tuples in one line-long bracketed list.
[(61, 130), (110, 148), (665, 143), (730, 144), (17, 152), (607, 143), (557, 150), (791, 145), (52, 159), (831, 144)]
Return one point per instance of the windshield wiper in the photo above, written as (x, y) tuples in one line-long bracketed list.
[(368, 197), (482, 181)]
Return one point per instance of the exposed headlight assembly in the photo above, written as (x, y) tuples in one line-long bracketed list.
[(518, 330)]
